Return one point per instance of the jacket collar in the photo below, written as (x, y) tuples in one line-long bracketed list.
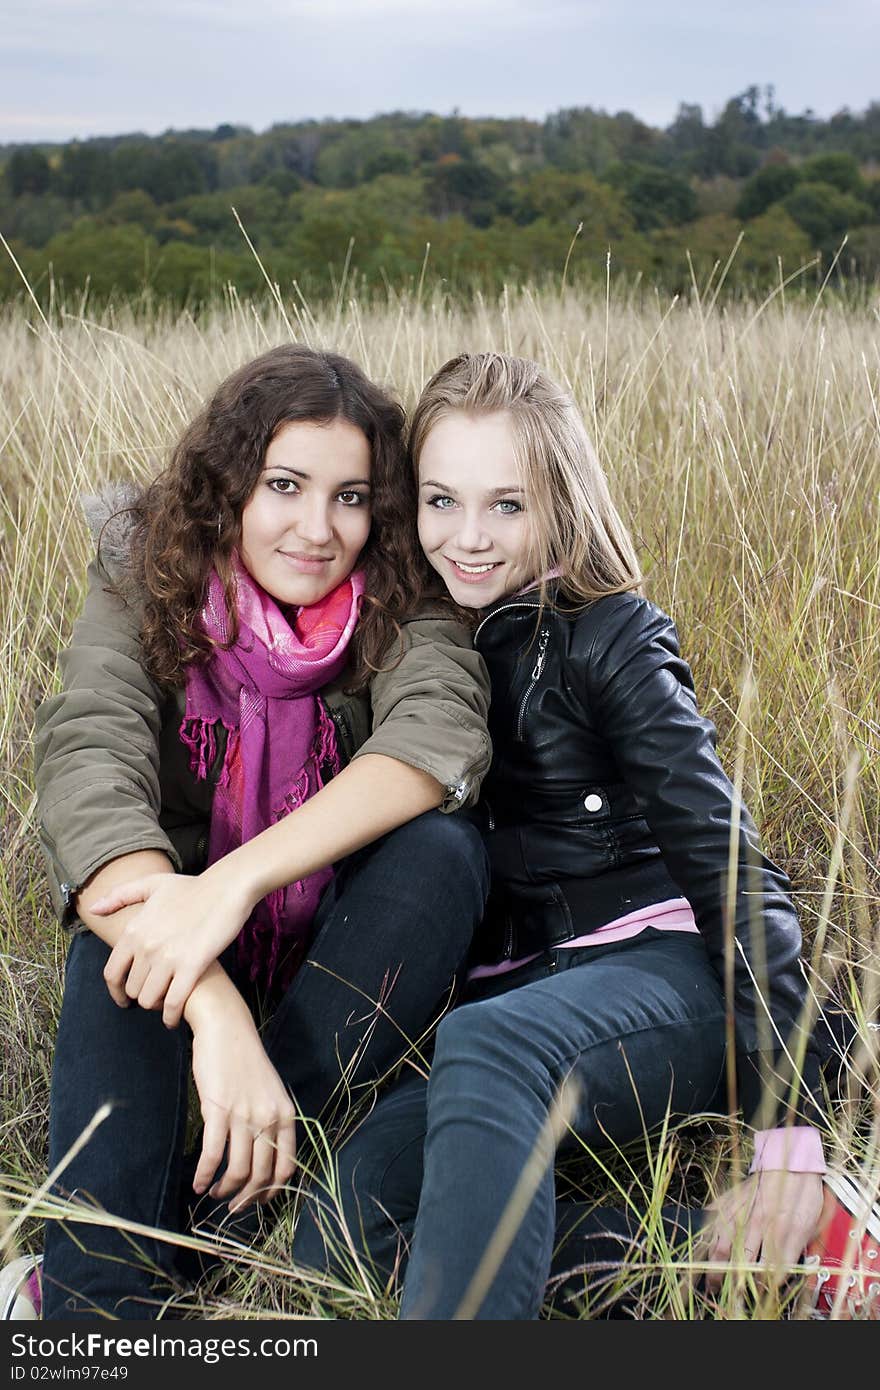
[(528, 600)]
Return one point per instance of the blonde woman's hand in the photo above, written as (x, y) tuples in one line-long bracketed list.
[(769, 1219), (182, 925), (247, 1113)]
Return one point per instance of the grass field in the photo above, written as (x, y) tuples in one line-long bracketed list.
[(743, 440)]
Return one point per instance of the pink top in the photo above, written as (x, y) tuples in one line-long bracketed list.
[(675, 914), (797, 1149)]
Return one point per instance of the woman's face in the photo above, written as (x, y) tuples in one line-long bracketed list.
[(473, 523), (308, 518)]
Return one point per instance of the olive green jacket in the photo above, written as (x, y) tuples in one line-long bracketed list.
[(113, 775)]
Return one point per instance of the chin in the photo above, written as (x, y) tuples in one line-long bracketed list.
[(467, 597), (300, 595)]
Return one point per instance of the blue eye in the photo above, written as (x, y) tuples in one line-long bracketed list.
[(440, 502), (507, 507)]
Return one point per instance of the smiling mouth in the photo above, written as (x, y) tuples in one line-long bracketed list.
[(484, 568)]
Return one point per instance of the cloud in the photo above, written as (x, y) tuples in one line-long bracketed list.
[(185, 63)]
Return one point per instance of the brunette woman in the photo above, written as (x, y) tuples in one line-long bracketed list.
[(239, 786)]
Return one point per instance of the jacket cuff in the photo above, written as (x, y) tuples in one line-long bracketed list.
[(460, 779), (765, 1099), (66, 880)]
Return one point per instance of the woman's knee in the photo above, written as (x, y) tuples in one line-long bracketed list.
[(444, 847), (93, 1020), (482, 1054), (87, 956)]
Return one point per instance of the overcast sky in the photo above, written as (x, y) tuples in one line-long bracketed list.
[(75, 68)]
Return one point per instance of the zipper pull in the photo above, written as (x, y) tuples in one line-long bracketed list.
[(538, 667)]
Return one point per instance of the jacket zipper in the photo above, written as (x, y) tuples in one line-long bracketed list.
[(506, 608), (537, 669), (66, 888), (508, 940)]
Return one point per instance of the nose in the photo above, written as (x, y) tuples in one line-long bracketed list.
[(313, 521), (471, 535)]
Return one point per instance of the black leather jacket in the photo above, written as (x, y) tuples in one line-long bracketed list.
[(606, 795)]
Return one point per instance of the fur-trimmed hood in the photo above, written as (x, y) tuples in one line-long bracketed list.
[(111, 521)]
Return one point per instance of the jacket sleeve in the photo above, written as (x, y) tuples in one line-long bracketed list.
[(97, 749), (430, 708), (642, 696)]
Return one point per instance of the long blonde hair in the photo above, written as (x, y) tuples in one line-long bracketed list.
[(577, 529)]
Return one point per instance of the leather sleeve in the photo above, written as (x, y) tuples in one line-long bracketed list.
[(97, 749), (641, 695)]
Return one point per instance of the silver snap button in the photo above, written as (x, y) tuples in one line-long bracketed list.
[(592, 802)]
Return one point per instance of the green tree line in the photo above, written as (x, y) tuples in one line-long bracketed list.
[(495, 199)]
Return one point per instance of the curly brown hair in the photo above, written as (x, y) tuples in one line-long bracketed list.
[(188, 520)]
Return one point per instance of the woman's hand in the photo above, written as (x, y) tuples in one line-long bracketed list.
[(769, 1219), (183, 925), (247, 1112)]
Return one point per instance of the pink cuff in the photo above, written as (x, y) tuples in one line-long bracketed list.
[(796, 1150)]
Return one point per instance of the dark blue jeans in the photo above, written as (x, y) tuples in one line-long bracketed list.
[(394, 925), (637, 1025)]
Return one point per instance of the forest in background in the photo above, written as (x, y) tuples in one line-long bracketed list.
[(357, 203)]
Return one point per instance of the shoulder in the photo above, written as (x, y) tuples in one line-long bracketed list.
[(623, 640), (433, 652), (625, 620), (435, 624)]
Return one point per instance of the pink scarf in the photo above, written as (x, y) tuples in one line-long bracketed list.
[(280, 747)]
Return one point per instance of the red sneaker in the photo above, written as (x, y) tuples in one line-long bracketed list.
[(846, 1253)]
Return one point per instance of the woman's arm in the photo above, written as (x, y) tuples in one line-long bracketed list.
[(429, 748), (246, 1110), (430, 708), (96, 752), (641, 694), (186, 923), (99, 794)]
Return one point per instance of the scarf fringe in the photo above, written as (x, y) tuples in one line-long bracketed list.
[(199, 735)]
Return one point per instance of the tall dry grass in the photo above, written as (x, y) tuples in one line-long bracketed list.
[(744, 443)]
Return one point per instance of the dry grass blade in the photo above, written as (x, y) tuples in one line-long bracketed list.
[(743, 439)]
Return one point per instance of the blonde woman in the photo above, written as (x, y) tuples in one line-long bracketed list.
[(600, 963)]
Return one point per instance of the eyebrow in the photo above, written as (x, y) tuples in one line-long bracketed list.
[(493, 492), (307, 477)]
